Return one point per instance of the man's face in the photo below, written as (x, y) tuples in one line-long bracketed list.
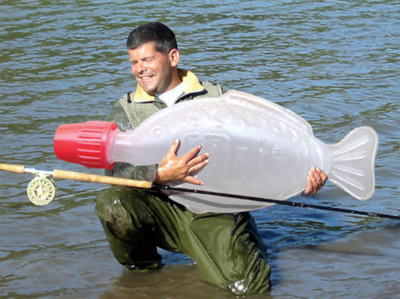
[(154, 71)]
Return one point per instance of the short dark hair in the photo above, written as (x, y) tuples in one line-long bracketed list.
[(163, 37)]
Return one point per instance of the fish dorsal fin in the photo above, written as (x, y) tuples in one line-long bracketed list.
[(279, 112)]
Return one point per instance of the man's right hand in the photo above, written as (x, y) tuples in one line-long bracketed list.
[(174, 168)]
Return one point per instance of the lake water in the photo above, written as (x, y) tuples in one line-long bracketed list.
[(336, 63)]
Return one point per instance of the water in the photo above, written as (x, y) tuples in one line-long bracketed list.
[(336, 63)]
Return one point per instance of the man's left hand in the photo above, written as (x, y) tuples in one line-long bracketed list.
[(315, 180)]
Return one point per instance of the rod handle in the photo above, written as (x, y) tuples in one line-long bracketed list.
[(12, 168), (64, 174)]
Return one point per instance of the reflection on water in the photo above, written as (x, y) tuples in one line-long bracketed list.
[(336, 63)]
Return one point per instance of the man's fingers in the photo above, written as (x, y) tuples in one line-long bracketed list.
[(199, 159), (308, 189), (190, 156), (315, 180), (323, 175), (319, 178), (192, 153), (198, 165), (193, 180), (174, 147)]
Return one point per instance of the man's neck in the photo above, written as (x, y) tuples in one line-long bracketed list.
[(172, 95)]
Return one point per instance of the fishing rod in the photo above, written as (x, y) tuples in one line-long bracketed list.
[(280, 202), (42, 190)]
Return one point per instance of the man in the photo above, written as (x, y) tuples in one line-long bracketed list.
[(226, 247)]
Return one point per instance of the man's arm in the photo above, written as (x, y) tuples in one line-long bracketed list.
[(126, 170)]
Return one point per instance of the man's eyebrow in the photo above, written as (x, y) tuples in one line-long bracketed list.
[(143, 58)]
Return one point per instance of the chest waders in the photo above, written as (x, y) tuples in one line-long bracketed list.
[(227, 248)]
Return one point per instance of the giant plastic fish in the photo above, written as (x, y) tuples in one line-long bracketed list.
[(256, 147)]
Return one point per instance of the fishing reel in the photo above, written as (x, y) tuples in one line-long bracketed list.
[(41, 190)]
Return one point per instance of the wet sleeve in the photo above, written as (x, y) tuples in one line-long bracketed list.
[(126, 170)]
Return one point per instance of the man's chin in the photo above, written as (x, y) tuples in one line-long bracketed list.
[(149, 89)]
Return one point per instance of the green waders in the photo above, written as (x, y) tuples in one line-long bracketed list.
[(227, 248)]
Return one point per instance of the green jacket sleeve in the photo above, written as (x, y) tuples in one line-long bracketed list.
[(126, 170)]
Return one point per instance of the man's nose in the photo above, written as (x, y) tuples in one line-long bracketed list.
[(140, 67)]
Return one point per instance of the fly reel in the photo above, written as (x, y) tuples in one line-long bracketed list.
[(41, 190)]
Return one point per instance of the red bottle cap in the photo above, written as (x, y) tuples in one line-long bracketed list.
[(84, 143)]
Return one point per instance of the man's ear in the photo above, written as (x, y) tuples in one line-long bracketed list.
[(174, 57)]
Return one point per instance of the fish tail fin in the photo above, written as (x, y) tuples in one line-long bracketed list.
[(353, 162)]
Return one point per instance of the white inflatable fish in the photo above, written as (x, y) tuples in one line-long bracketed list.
[(257, 148)]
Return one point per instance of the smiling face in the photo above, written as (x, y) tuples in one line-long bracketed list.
[(156, 72)]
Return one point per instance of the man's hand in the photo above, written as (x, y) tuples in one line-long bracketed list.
[(315, 180), (174, 168)]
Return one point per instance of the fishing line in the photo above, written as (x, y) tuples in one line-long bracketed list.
[(81, 193), (280, 202)]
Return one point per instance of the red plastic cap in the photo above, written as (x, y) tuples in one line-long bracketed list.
[(84, 143)]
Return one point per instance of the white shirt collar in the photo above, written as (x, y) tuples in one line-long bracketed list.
[(172, 95)]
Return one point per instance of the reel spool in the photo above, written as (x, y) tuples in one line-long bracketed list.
[(41, 190)]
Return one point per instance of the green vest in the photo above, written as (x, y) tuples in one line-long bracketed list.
[(140, 105)]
